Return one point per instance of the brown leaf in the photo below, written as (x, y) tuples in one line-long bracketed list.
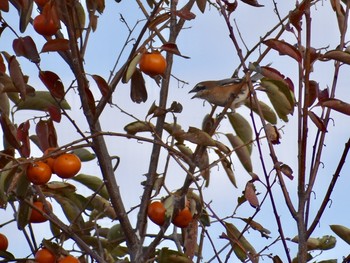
[(101, 84), (252, 3), (337, 105), (317, 121), (190, 238), (340, 12), (2, 65), (250, 195), (93, 19), (323, 95), (4, 5), (284, 48), (272, 133), (10, 131), (185, 14), (17, 76), (172, 48), (53, 83), (337, 55), (201, 5), (287, 171), (91, 100), (25, 46), (296, 15), (58, 44), (313, 90), (198, 136), (138, 91), (25, 10), (158, 20), (231, 7)]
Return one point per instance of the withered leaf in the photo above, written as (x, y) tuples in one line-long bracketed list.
[(338, 55), (158, 20), (252, 3), (138, 91), (17, 77), (284, 48), (337, 105), (198, 136), (317, 121), (58, 44), (250, 195)]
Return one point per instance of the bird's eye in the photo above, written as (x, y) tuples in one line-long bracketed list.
[(200, 87)]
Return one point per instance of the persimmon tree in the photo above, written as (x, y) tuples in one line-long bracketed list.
[(182, 162)]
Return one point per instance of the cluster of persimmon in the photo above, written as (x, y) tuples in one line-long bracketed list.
[(152, 63), (66, 166), (157, 214), (47, 22), (45, 255)]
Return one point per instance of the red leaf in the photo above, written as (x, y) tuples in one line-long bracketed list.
[(46, 133), (58, 44), (101, 84), (53, 83), (55, 113), (23, 136), (17, 76), (25, 46), (4, 5), (284, 48)]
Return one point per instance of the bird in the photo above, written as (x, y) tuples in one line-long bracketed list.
[(220, 92)]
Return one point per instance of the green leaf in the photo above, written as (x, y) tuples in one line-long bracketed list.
[(322, 243), (84, 155), (138, 126), (240, 245), (116, 234), (280, 97), (104, 207), (241, 150), (6, 176), (342, 231), (41, 101), (227, 165), (242, 128), (93, 183), (268, 114)]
